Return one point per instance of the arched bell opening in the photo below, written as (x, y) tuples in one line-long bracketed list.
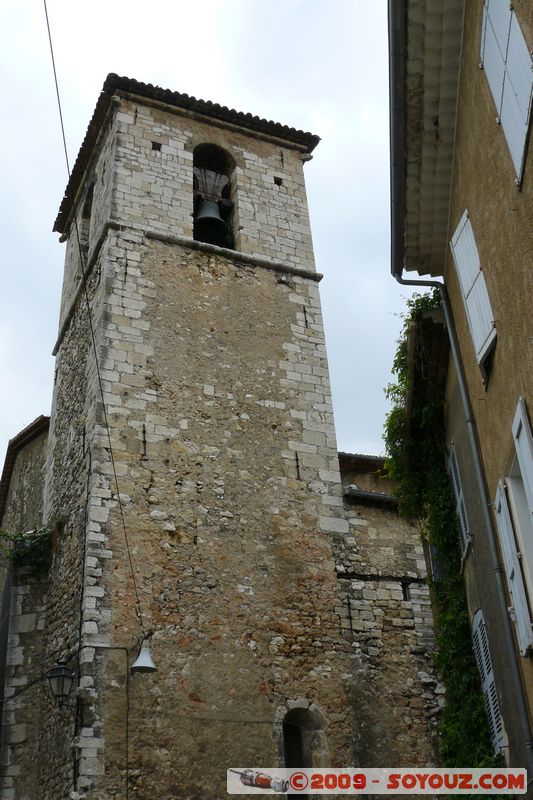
[(213, 207)]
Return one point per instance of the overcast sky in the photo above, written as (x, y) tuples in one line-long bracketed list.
[(318, 65)]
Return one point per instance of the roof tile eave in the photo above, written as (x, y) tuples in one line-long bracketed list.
[(38, 426), (115, 83)]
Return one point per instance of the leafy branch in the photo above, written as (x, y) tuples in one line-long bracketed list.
[(416, 457)]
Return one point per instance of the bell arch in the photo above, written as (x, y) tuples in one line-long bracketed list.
[(213, 168)]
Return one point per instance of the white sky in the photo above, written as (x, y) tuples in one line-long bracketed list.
[(318, 65)]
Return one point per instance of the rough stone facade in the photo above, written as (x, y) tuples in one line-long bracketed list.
[(386, 614), (262, 589)]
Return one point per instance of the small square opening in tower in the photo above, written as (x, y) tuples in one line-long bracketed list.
[(156, 146), (278, 181)]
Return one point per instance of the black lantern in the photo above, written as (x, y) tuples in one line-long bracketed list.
[(60, 678)]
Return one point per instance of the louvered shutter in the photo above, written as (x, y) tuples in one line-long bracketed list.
[(460, 509), (473, 287), (519, 605), (507, 64), (484, 664)]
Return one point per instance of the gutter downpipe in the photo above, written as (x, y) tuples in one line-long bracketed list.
[(397, 11)]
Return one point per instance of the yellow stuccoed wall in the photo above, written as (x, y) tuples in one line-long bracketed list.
[(501, 215)]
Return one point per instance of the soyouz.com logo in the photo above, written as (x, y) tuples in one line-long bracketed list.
[(252, 780)]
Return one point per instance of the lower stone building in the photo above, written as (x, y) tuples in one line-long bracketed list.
[(189, 488), (166, 733)]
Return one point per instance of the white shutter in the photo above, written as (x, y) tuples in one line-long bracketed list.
[(460, 509), (465, 253), (519, 606), (516, 100), (513, 127), (523, 440), (496, 23), (480, 316), (508, 67), (484, 664), (519, 68), (473, 286), (499, 14)]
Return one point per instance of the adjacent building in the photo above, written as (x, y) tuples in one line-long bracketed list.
[(462, 200)]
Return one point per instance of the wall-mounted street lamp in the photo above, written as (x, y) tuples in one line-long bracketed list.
[(60, 679), (143, 662)]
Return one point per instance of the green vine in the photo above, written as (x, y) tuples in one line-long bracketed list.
[(416, 461), (27, 549)]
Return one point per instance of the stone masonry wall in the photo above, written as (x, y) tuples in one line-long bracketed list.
[(24, 603), (45, 616), (84, 236), (154, 188), (218, 398), (386, 613)]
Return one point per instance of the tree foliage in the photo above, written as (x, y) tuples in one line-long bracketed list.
[(27, 548), (416, 461)]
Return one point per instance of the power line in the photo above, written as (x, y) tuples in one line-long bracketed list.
[(91, 329)]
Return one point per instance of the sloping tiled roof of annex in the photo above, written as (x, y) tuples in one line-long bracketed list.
[(114, 84), (16, 444)]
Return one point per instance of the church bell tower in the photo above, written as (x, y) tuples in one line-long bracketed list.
[(191, 367)]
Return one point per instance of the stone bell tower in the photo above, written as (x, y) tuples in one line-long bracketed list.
[(205, 314), (192, 492)]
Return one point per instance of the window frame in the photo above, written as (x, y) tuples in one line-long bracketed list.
[(513, 508), (519, 609), (465, 536)]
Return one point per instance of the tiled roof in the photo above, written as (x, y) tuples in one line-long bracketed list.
[(358, 461), (114, 84), (25, 436), (425, 54)]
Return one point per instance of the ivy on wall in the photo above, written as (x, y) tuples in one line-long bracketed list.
[(27, 549), (416, 460)]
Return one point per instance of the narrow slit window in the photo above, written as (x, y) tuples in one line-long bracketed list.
[(86, 213)]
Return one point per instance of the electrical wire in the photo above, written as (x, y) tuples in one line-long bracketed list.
[(82, 259)]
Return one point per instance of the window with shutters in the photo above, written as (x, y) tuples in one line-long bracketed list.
[(460, 509), (507, 63), (484, 665), (474, 291), (514, 517)]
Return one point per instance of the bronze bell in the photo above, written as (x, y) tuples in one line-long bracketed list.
[(208, 224)]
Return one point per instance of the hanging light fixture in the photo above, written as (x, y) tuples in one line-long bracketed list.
[(60, 678), (144, 662)]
